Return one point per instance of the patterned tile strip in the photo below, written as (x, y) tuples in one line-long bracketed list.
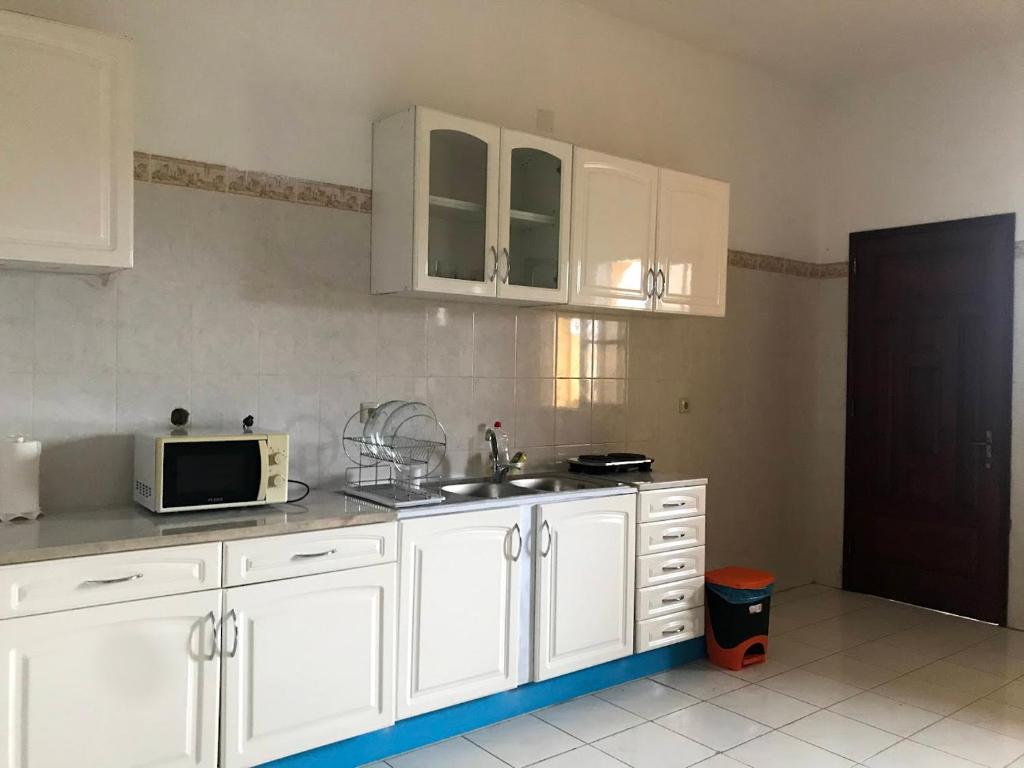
[(783, 266), (160, 169), (176, 171)]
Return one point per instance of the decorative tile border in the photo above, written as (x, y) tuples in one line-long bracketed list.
[(176, 171), (783, 266), (160, 169)]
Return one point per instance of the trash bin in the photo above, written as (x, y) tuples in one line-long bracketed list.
[(737, 603)]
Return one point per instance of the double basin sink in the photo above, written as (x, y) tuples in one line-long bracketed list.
[(521, 486)]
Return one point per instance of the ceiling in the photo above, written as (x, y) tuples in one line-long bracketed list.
[(825, 43)]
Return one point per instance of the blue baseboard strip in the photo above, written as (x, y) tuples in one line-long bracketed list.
[(445, 723)]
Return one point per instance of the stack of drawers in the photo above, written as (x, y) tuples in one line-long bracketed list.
[(669, 567)]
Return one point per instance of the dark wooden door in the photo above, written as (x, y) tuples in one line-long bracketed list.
[(928, 415)]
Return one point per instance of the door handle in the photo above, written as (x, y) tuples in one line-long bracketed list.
[(649, 281), (987, 445), (213, 643), (508, 266), (234, 624), (664, 283), (494, 268), (519, 542), (544, 550)]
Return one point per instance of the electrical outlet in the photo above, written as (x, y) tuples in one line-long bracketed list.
[(684, 405)]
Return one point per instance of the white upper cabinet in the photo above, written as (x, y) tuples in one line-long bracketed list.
[(133, 684), (307, 662), (693, 242), (66, 138), (585, 553), (458, 625), (614, 209), (463, 208)]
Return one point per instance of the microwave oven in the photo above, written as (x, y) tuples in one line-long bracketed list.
[(183, 471)]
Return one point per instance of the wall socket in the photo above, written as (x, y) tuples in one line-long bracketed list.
[(684, 405)]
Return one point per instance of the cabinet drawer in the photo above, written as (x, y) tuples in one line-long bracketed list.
[(674, 628), (671, 504), (654, 602), (669, 535), (57, 585), (652, 570), (250, 561)]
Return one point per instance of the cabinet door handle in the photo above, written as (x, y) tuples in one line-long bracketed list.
[(309, 555), (234, 625), (664, 283), (508, 266), (494, 268), (213, 644), (106, 582), (519, 542), (544, 550), (649, 283)]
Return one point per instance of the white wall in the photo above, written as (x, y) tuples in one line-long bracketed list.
[(293, 87), (941, 142)]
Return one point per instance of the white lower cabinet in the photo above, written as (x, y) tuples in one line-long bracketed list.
[(126, 685), (307, 662), (585, 553), (458, 627)]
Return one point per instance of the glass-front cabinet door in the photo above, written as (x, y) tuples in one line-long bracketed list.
[(533, 218), (614, 209), (456, 207)]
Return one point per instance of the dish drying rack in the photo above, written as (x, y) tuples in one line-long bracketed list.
[(402, 443)]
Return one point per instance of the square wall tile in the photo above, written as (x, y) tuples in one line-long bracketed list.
[(609, 415), (535, 343), (610, 348), (402, 337), (535, 412), (16, 403), (494, 400), (348, 336), (145, 400), (574, 347), (223, 400), (572, 411), (449, 340), (494, 343)]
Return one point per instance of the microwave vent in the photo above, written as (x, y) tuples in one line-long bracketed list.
[(143, 489)]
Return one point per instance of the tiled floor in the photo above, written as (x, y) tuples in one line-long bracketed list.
[(851, 680)]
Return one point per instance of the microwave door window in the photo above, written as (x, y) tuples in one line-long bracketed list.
[(203, 473)]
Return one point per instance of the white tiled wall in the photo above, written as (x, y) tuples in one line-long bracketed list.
[(241, 306)]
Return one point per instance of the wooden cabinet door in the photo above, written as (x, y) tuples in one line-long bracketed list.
[(66, 164), (586, 562), (455, 205), (134, 684), (307, 662), (458, 626), (614, 205), (533, 218), (693, 244)]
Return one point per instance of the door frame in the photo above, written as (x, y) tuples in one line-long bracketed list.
[(1004, 227)]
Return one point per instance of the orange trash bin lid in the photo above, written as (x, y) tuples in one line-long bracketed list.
[(740, 578)]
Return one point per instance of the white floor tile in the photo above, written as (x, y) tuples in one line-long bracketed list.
[(720, 761), (935, 698), (454, 753), (651, 746), (991, 659), (784, 654), (814, 689), (375, 765), (1010, 694), (887, 714), (584, 757), (777, 750), (907, 754), (765, 706), (588, 718), (798, 593), (846, 737), (899, 658), (995, 716), (647, 698), (851, 670), (713, 726), (971, 743), (948, 675), (699, 681), (523, 740)]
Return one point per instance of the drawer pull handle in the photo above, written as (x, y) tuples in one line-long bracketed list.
[(309, 555), (677, 567), (678, 599), (675, 504), (117, 580), (676, 631), (672, 536)]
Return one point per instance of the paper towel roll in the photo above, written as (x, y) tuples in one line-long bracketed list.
[(19, 478)]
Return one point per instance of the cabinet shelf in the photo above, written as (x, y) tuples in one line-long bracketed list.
[(450, 208), (529, 219)]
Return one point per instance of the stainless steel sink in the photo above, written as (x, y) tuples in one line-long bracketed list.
[(553, 484), (486, 490)]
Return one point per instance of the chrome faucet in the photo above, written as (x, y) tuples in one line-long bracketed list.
[(499, 468)]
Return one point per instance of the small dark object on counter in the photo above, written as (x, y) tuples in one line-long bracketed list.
[(247, 423), (180, 417)]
